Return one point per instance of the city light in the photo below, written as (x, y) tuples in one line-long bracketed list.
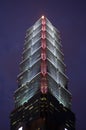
[(42, 17), (21, 128)]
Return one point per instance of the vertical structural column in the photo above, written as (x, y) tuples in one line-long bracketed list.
[(43, 57)]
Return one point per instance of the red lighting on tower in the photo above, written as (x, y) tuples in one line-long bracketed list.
[(43, 57)]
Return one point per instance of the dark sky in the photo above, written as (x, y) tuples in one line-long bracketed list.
[(69, 16)]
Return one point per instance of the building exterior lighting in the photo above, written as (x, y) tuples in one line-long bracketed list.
[(21, 128), (42, 17), (42, 100)]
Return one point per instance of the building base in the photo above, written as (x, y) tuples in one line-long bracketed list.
[(42, 112)]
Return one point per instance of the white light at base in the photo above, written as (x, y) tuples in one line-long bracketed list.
[(21, 128)]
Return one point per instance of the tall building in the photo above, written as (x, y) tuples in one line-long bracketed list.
[(42, 100)]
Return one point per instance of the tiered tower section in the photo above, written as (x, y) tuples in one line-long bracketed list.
[(42, 66), (42, 83)]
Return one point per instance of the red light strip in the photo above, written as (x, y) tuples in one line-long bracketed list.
[(43, 58)]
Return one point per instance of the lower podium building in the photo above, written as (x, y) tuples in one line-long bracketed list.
[(42, 100)]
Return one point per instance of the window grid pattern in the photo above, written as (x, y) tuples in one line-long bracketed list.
[(43, 54)]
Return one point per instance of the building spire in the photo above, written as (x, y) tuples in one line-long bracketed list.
[(42, 100), (43, 17)]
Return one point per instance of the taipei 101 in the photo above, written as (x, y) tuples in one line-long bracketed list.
[(42, 65), (42, 99)]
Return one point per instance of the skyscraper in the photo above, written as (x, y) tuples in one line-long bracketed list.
[(42, 100)]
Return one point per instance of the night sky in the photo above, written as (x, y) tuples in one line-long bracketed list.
[(69, 16)]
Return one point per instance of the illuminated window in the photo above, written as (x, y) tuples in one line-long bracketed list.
[(43, 35), (21, 128), (43, 56), (43, 68), (43, 28)]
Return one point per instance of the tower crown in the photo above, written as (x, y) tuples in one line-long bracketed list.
[(42, 66), (42, 100)]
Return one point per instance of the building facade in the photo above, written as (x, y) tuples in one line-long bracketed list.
[(42, 100)]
